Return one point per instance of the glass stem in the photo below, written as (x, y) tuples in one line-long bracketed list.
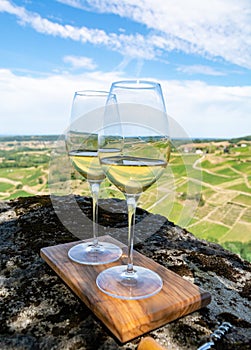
[(95, 192), (131, 206)]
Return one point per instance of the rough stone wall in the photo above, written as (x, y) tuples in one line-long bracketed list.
[(37, 311)]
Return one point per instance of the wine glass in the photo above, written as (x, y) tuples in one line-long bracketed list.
[(140, 146), (82, 146)]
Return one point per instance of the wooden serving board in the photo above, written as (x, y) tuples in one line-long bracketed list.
[(127, 319)]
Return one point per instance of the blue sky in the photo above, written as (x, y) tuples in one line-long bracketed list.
[(200, 52)]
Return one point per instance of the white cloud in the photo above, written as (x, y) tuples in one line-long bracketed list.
[(42, 105), (208, 28), (80, 62), (32, 105), (199, 69), (74, 3), (136, 46), (214, 29), (208, 110)]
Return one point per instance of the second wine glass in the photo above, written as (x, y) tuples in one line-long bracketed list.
[(82, 144), (133, 151)]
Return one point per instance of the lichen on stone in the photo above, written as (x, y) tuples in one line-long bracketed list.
[(38, 311)]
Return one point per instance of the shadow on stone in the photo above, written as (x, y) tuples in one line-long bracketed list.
[(39, 312)]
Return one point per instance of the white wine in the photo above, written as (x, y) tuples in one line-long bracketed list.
[(87, 164), (132, 175)]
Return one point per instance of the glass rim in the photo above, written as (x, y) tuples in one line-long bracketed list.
[(135, 84), (92, 93)]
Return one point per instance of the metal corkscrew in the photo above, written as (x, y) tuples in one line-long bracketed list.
[(149, 343), (216, 336)]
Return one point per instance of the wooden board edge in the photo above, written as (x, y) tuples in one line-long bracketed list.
[(143, 329), (203, 299)]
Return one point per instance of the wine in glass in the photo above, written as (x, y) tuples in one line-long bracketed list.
[(141, 139), (82, 146)]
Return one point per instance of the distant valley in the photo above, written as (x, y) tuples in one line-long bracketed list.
[(206, 187)]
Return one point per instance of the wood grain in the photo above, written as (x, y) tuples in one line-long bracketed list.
[(127, 319)]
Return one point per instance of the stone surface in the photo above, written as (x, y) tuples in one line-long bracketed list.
[(39, 312)]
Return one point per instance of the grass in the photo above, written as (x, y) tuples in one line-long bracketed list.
[(242, 249), (249, 180), (241, 149), (246, 215), (214, 203), (206, 209), (16, 174), (179, 170), (242, 199), (190, 187), (176, 158), (6, 172), (244, 168), (193, 221), (20, 193), (206, 164), (209, 230), (242, 187), (213, 179), (32, 178), (5, 187), (240, 231), (173, 209), (220, 198), (227, 172), (232, 215), (208, 193)]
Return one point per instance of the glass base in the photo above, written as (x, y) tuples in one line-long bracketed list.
[(139, 284), (90, 254)]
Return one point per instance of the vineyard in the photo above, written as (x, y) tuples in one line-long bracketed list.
[(205, 188)]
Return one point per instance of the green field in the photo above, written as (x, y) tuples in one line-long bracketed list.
[(209, 193), (211, 197), (24, 168)]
